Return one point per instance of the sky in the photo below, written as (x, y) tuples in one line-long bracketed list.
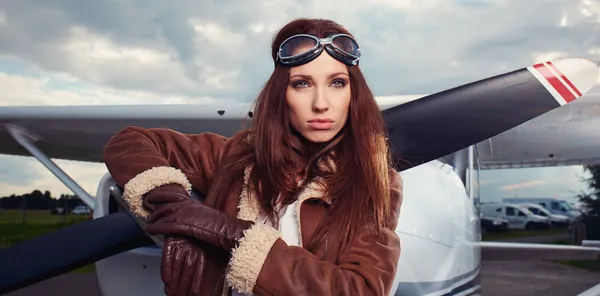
[(158, 52)]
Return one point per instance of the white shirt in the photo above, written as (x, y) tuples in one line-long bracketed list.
[(288, 226)]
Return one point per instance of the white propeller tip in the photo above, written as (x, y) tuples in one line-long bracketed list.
[(582, 73), (567, 79)]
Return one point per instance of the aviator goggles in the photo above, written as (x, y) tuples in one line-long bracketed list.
[(302, 48)]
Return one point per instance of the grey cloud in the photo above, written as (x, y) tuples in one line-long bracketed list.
[(406, 51), (18, 170), (24, 174), (484, 41), (533, 26), (510, 46), (544, 182), (151, 24)]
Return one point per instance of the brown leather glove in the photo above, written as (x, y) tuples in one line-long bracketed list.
[(164, 195), (182, 260), (197, 220), (182, 257)]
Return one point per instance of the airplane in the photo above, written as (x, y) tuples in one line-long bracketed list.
[(529, 117)]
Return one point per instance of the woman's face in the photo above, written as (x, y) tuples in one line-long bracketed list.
[(318, 97)]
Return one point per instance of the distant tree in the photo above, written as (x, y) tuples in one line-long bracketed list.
[(36, 200), (590, 203)]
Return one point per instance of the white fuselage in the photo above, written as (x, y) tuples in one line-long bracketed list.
[(438, 227)]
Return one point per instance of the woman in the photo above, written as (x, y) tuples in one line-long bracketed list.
[(303, 203)]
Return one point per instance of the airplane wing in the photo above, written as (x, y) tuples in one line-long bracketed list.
[(80, 132), (561, 137), (505, 251)]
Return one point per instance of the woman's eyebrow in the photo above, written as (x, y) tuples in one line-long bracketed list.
[(337, 73), (303, 76), (308, 77)]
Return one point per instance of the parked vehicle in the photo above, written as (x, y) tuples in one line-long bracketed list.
[(518, 217), (492, 224), (81, 210), (555, 219), (554, 205)]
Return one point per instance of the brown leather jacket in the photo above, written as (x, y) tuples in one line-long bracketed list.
[(142, 159)]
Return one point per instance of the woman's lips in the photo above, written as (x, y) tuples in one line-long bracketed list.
[(321, 123)]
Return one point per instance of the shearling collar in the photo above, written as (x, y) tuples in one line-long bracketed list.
[(249, 207)]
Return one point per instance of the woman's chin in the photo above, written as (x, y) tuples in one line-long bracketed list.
[(319, 136)]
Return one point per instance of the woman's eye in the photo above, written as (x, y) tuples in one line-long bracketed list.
[(339, 83), (300, 83)]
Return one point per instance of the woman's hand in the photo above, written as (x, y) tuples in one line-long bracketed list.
[(192, 218), (182, 260), (182, 257)]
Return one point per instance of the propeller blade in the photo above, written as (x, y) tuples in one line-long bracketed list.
[(442, 123), (27, 263), (67, 249)]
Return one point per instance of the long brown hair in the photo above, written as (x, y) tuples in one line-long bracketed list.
[(359, 187)]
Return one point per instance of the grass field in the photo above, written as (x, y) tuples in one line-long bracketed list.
[(592, 265), (495, 236), (37, 222), (37, 217)]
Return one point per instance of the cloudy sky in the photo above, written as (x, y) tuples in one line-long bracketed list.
[(158, 52)]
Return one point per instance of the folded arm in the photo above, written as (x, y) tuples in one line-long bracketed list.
[(264, 264), (135, 150), (141, 159), (157, 169)]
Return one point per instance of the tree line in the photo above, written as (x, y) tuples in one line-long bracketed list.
[(36, 200), (591, 203)]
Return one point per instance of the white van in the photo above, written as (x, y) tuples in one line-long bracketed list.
[(81, 210), (554, 205), (517, 216), (555, 219)]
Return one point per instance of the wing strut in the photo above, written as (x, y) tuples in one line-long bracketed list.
[(26, 139), (504, 251)]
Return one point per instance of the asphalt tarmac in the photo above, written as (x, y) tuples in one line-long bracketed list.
[(497, 278), (535, 278), (85, 284)]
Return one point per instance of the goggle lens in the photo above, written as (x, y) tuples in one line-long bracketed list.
[(296, 46), (301, 48), (347, 45)]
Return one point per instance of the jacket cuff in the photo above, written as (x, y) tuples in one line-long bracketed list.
[(248, 258), (146, 181)]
